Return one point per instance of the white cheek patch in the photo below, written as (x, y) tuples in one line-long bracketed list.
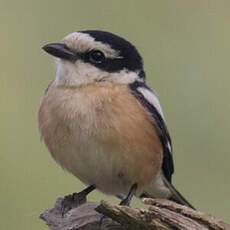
[(81, 73), (122, 77), (82, 42), (151, 98), (76, 74)]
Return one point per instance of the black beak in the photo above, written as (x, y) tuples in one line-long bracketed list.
[(60, 50)]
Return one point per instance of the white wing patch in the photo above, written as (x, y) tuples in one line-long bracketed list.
[(150, 101), (152, 98)]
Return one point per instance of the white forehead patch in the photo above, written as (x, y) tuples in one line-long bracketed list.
[(83, 42)]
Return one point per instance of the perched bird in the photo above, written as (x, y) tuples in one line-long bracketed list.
[(101, 122)]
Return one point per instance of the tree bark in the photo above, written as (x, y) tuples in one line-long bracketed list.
[(159, 214)]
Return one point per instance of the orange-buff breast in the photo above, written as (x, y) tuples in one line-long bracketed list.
[(102, 135)]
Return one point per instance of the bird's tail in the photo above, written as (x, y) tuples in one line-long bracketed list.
[(176, 195)]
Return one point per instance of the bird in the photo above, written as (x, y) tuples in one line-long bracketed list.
[(102, 122)]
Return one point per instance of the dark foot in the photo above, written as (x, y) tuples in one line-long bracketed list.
[(76, 199), (72, 201), (125, 202), (128, 198)]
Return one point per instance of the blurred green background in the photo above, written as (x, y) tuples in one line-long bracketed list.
[(186, 48)]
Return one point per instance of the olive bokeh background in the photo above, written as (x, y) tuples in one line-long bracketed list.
[(186, 48)]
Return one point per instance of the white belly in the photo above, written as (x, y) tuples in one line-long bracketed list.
[(92, 164)]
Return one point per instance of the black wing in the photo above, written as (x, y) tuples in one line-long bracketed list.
[(167, 166)]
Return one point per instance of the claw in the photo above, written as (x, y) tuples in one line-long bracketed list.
[(72, 201)]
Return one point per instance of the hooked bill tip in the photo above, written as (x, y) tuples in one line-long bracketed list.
[(59, 50)]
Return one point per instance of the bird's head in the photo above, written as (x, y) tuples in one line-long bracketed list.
[(96, 56)]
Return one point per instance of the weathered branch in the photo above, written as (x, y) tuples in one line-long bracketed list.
[(158, 215)]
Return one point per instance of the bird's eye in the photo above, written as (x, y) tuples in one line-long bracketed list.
[(96, 56)]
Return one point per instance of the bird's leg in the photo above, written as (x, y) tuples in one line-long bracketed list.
[(124, 200), (120, 196), (130, 195), (75, 199)]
